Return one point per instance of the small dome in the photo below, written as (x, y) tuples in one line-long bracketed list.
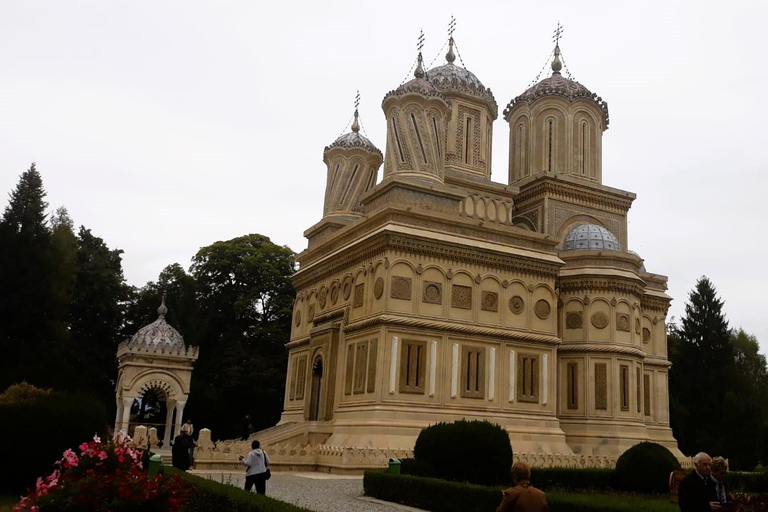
[(590, 237), (642, 266), (419, 84), (453, 78), (354, 140), (159, 333)]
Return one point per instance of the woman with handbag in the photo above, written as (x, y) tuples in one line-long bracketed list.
[(257, 472)]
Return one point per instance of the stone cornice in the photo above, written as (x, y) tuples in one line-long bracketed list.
[(484, 187), (657, 361), (601, 348), (473, 329), (298, 343), (556, 187), (653, 303), (578, 284)]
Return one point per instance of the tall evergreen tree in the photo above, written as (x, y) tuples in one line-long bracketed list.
[(25, 213)]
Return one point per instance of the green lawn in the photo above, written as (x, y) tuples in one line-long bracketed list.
[(7, 502)]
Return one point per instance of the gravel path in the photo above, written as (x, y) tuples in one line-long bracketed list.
[(316, 491)]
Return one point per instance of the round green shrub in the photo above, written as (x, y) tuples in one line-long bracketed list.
[(37, 427), (466, 451), (645, 468)]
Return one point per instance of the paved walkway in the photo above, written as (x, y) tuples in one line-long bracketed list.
[(320, 492)]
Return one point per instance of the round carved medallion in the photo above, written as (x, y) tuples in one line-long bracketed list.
[(516, 304), (378, 288), (622, 322), (334, 293), (600, 320), (432, 292), (490, 301), (297, 318), (573, 320), (322, 297), (542, 309), (646, 335), (346, 289)]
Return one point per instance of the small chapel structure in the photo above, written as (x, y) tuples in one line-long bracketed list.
[(155, 363), (438, 294)]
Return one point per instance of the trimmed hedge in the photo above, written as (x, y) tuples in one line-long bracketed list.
[(465, 451), (748, 482), (210, 496), (444, 496), (572, 479), (645, 468)]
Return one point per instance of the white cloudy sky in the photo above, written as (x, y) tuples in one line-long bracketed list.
[(164, 126)]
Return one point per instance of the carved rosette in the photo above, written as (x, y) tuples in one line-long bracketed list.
[(646, 335), (297, 318), (461, 296), (516, 304), (622, 322), (489, 301), (573, 320), (311, 315), (346, 288), (433, 293), (600, 320), (542, 309), (400, 288), (378, 288)]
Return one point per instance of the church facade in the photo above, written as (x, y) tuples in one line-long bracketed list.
[(437, 294)]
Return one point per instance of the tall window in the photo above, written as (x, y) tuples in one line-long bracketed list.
[(639, 384), (467, 140), (473, 372), (361, 367), (601, 386), (298, 377), (550, 122), (572, 375), (528, 378), (624, 385), (647, 394), (583, 148), (413, 362)]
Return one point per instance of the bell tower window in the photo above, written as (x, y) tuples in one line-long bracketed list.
[(550, 122)]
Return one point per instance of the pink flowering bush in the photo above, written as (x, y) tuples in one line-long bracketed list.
[(750, 502), (106, 477)]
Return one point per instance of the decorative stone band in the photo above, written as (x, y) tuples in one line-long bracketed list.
[(339, 314), (298, 343), (126, 347), (578, 285), (619, 203), (630, 350), (655, 304), (488, 208), (422, 323), (657, 361)]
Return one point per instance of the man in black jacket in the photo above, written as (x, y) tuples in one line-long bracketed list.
[(697, 490)]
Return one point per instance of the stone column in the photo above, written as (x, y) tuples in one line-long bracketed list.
[(179, 413), (118, 415), (169, 406), (127, 403)]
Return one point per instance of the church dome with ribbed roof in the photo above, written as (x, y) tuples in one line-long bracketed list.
[(354, 139), (590, 237), (159, 334)]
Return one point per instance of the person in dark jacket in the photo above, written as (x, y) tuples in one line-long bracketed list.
[(697, 490), (180, 453), (523, 497)]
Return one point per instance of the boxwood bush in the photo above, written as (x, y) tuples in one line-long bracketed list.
[(572, 479), (210, 496), (37, 426), (467, 451), (645, 468)]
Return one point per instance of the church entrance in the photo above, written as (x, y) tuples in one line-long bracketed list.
[(316, 396)]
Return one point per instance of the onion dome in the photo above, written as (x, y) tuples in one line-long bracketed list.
[(457, 79), (159, 334), (590, 237), (353, 139), (558, 85), (419, 84)]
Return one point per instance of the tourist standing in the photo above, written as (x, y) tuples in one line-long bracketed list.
[(523, 497), (697, 490), (180, 453), (257, 472), (720, 477), (187, 429)]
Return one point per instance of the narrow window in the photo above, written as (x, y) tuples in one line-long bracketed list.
[(519, 149), (573, 390), (301, 378), (418, 136), (549, 157), (349, 186), (639, 389), (408, 362), (647, 394), (397, 140), (527, 378), (583, 148), (601, 386), (473, 372), (624, 382), (437, 137), (466, 140), (412, 367)]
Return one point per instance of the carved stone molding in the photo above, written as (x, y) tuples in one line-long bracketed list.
[(461, 296), (432, 293), (601, 348), (654, 304), (489, 301), (400, 288), (573, 194), (322, 297), (334, 293), (542, 309), (600, 320), (573, 320), (346, 288), (637, 326), (657, 361), (359, 295), (646, 335), (517, 304), (378, 288), (579, 285), (311, 314), (622, 322), (297, 318)]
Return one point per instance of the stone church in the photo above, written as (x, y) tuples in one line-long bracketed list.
[(437, 294)]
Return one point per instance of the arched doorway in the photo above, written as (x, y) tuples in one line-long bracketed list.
[(153, 410), (315, 404)]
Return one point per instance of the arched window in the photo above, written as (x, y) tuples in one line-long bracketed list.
[(550, 141)]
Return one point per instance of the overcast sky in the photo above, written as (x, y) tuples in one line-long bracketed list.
[(166, 126)]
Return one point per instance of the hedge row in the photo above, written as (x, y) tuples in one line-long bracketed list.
[(443, 496), (748, 482), (210, 496)]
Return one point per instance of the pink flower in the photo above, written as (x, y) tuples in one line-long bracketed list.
[(83, 447), (102, 455)]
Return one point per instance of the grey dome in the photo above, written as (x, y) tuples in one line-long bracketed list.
[(158, 334), (453, 78), (590, 237), (354, 140), (558, 85)]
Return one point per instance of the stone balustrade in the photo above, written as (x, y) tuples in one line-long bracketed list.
[(488, 208)]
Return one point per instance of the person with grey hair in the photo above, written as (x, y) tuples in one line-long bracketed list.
[(720, 477), (697, 490)]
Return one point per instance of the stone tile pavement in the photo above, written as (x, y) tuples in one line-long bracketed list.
[(320, 492)]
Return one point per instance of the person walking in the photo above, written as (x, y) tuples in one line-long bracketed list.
[(257, 472), (523, 497), (697, 490)]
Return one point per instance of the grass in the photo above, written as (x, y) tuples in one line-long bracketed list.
[(649, 502), (7, 501)]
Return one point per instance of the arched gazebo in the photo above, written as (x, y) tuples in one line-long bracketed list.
[(154, 363)]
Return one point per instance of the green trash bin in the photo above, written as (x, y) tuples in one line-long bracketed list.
[(155, 461), (394, 466)]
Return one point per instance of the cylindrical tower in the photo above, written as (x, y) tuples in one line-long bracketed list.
[(353, 162), (417, 114), (556, 127), (470, 129)]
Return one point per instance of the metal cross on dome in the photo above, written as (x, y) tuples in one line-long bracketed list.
[(420, 44), (357, 100), (558, 33), (452, 26)]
